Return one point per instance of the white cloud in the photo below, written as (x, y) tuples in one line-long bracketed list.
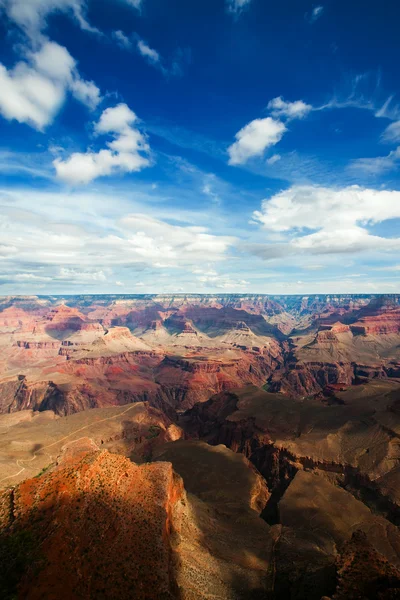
[(319, 220), (63, 275), (135, 3), (392, 132), (33, 91), (209, 184), (377, 165), (254, 139), (85, 238), (390, 268), (31, 15), (54, 61), (128, 152), (122, 40), (28, 96), (173, 67), (313, 267), (156, 240), (236, 6), (316, 13), (201, 271), (116, 119), (149, 53), (273, 159), (223, 282), (314, 207), (291, 110), (258, 135), (86, 92)]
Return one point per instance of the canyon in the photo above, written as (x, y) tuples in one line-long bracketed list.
[(71, 354), (194, 447)]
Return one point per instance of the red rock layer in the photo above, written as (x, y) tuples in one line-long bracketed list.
[(98, 526)]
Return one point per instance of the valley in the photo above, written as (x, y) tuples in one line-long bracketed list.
[(70, 354), (250, 445)]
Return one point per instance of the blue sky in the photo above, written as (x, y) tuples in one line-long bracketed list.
[(244, 146)]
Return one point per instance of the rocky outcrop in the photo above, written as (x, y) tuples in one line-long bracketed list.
[(365, 573), (19, 394), (197, 366), (133, 531), (91, 502), (189, 380), (32, 345), (305, 379), (380, 317)]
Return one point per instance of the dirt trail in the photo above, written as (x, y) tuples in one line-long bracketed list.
[(27, 460)]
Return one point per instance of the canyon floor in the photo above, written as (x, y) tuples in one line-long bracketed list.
[(200, 447)]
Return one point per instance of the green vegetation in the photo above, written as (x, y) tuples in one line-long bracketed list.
[(44, 469), (154, 431)]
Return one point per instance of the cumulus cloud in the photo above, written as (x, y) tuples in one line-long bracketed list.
[(126, 153), (34, 90), (86, 92), (237, 6), (258, 135), (290, 110), (254, 139), (320, 220)]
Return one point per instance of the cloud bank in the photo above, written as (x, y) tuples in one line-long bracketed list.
[(320, 220)]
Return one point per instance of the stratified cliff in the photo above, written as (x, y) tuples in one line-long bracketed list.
[(175, 351)]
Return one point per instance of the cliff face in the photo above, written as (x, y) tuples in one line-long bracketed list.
[(99, 380), (315, 472), (330, 471), (132, 531), (113, 520), (379, 324), (175, 351), (281, 436)]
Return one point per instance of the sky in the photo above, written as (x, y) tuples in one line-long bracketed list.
[(199, 146)]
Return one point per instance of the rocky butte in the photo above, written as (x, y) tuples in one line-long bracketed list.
[(224, 447)]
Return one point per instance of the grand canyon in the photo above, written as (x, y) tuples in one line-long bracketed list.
[(200, 447)]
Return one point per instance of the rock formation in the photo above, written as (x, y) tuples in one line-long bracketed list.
[(97, 525)]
